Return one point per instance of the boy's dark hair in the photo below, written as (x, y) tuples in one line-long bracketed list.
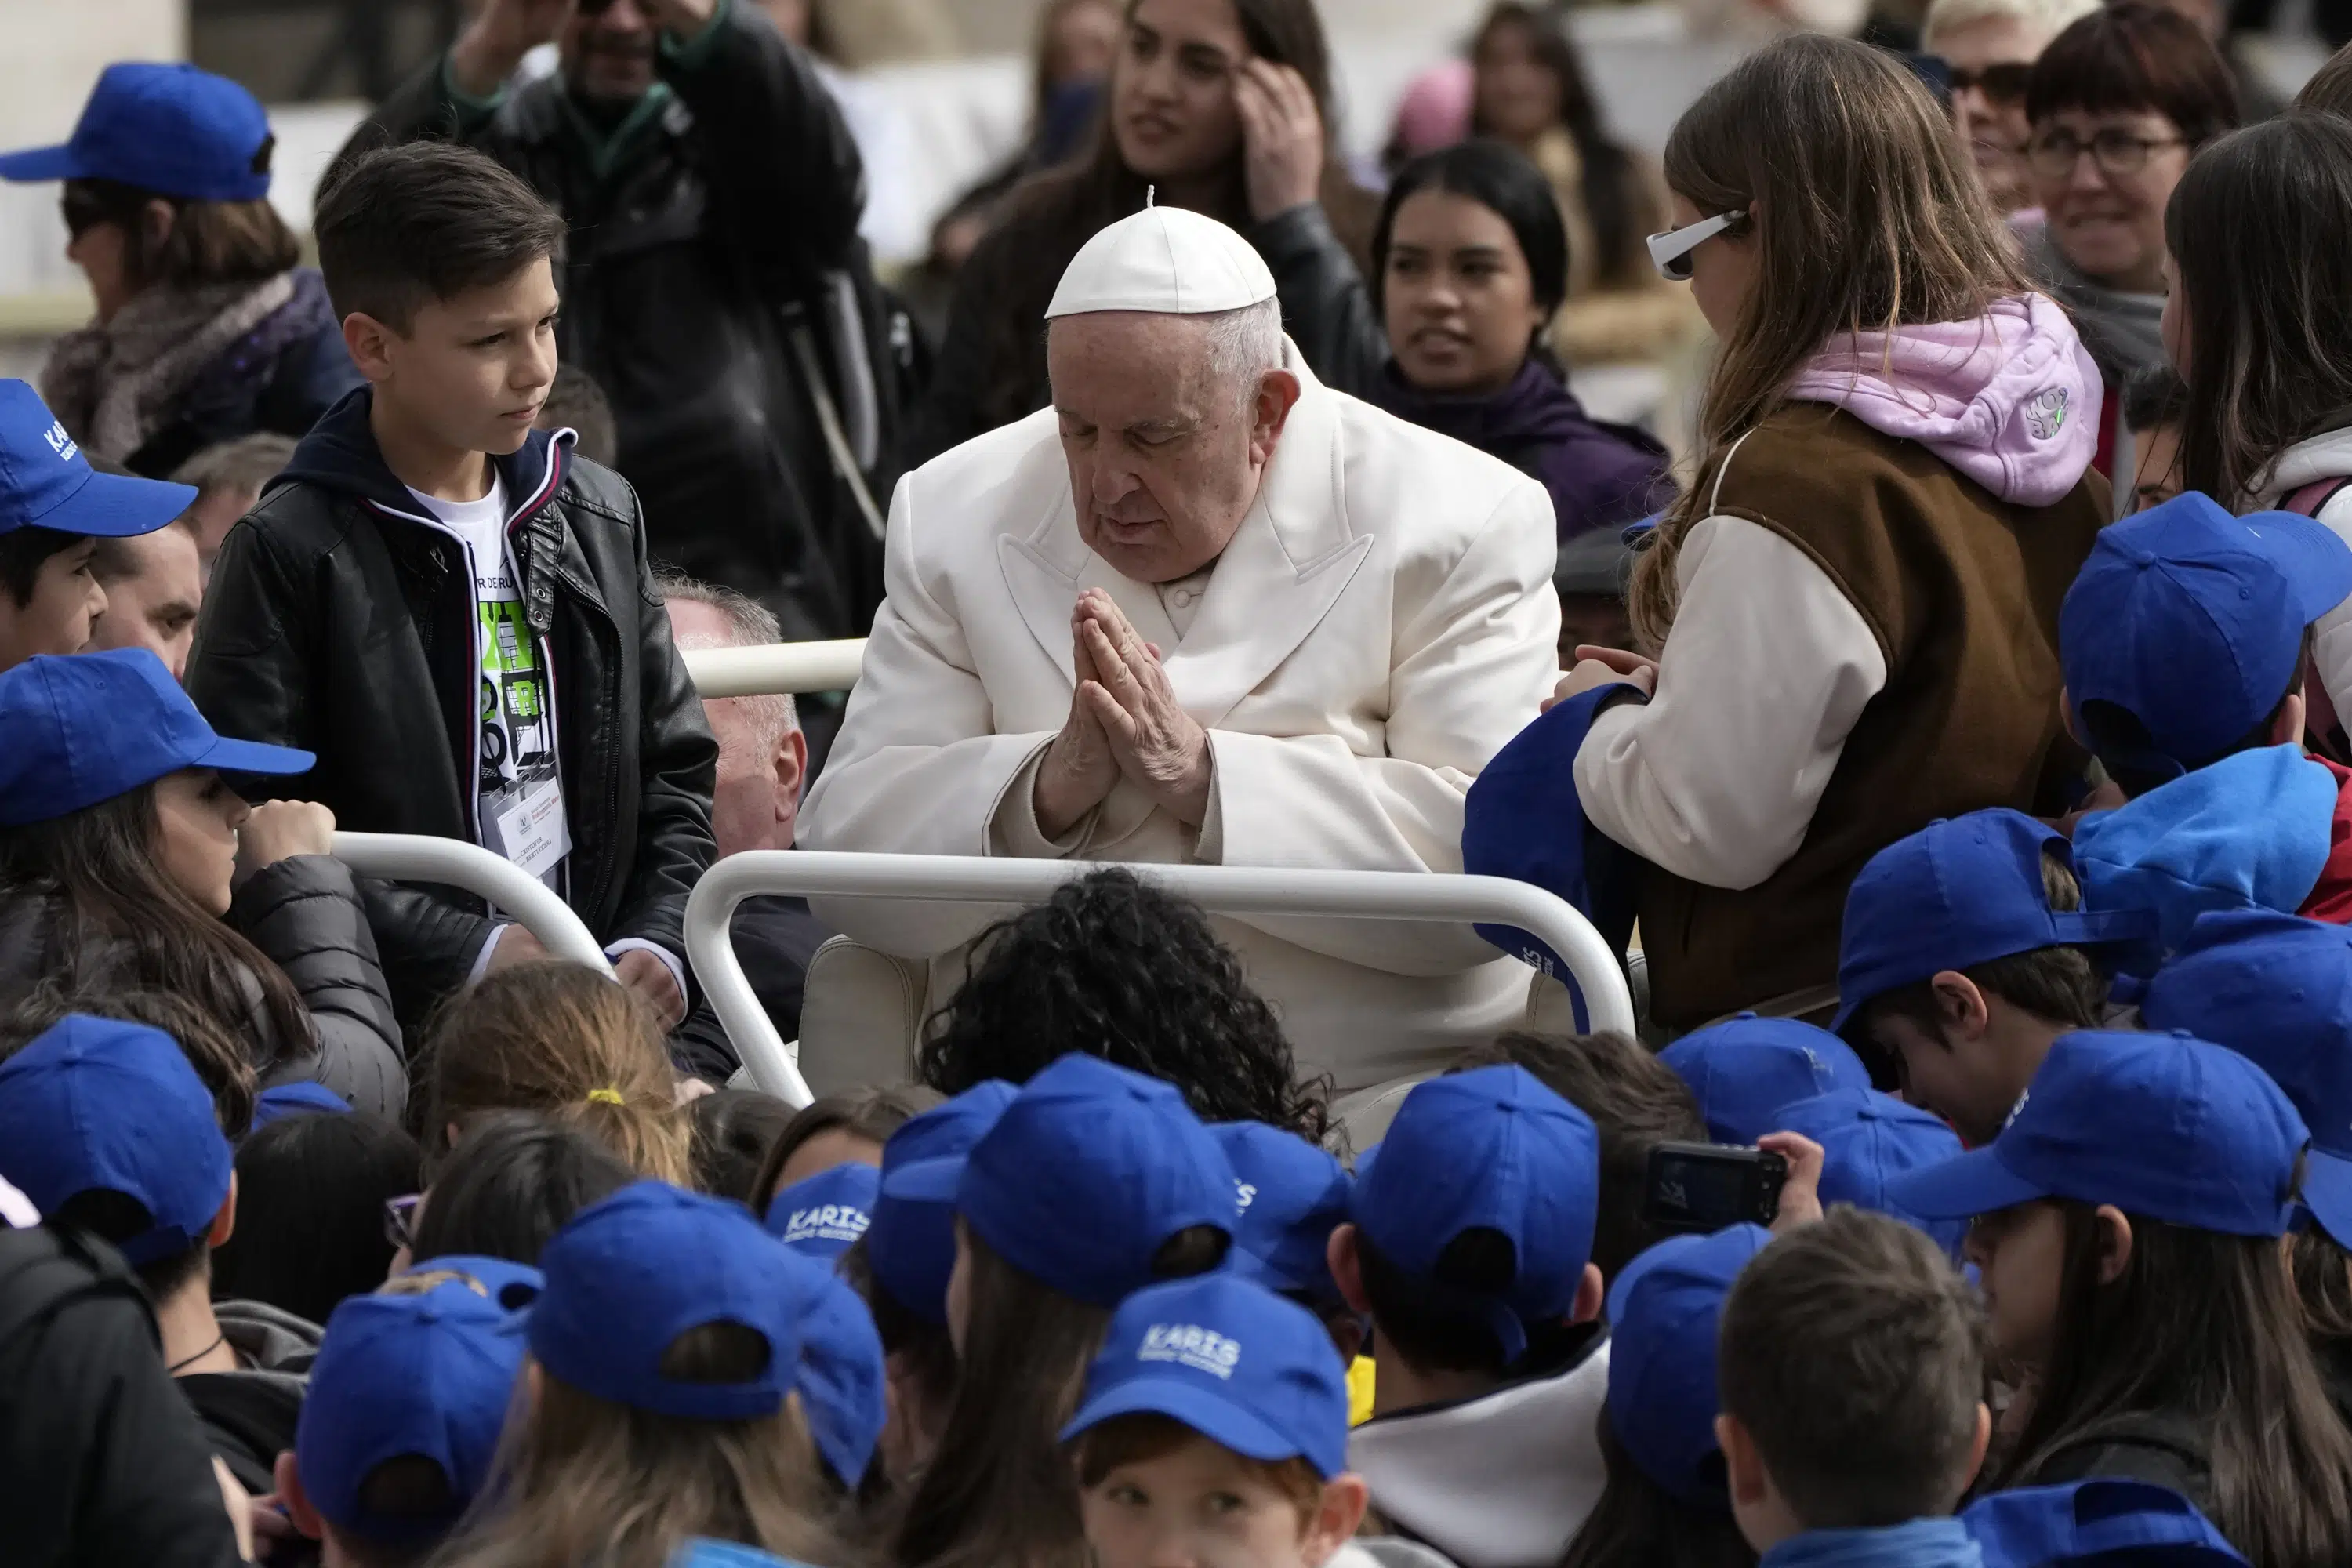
[(2060, 984), (24, 552), (403, 225), (733, 1131), (1439, 1323), (576, 402), (1636, 1103), (310, 1191), (2118, 736), (1852, 1353), (114, 1218), (511, 1184), (2154, 395)]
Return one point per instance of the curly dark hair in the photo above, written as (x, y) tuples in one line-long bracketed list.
[(1116, 968)]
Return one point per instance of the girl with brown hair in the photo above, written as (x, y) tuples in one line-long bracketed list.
[(1854, 603), (566, 1042)]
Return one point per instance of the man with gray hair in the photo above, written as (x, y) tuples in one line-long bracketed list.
[(762, 760), (1205, 610)]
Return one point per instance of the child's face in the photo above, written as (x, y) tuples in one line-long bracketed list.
[(1965, 1077), (472, 370), (2021, 1255), (1199, 1506), (65, 601)]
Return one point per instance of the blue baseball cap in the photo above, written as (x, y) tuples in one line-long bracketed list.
[(1491, 1149), (629, 1275), (1292, 1196), (45, 481), (1869, 1140), (842, 1381), (2192, 620), (1961, 891), (80, 728), (2163, 1126), (822, 1216), (2111, 1523), (300, 1097), (93, 1105), (171, 130), (1086, 1175), (1744, 1070), (910, 1245), (427, 1376), (1227, 1357), (2277, 990), (1662, 1402)]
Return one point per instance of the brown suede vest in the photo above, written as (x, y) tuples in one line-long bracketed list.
[(1961, 590)]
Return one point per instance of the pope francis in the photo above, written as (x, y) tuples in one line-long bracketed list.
[(1205, 610)]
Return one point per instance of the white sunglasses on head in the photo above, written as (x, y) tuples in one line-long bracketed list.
[(1671, 251)]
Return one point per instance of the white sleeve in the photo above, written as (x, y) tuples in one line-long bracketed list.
[(2331, 634), (1767, 669)]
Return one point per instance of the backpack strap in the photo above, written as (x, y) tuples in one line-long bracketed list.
[(2312, 498)]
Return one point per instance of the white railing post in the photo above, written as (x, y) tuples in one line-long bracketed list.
[(1221, 890), (410, 857), (787, 667)]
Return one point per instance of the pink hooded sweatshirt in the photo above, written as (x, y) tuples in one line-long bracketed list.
[(2010, 399)]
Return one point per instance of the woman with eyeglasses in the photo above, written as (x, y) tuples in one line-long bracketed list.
[(1989, 46), (1854, 603), (2119, 103), (206, 328)]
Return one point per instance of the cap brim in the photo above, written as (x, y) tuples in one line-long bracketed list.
[(2311, 556), (1217, 1420), (1961, 1188), (255, 757), (119, 506), (2327, 1193), (33, 165), (925, 1181)]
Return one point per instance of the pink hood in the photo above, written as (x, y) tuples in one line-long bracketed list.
[(2010, 399)]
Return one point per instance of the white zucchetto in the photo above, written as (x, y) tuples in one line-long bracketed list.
[(1165, 261)]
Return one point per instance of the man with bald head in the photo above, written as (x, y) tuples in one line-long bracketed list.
[(1205, 610)]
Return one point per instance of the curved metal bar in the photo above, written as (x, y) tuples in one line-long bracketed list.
[(413, 858), (790, 666)]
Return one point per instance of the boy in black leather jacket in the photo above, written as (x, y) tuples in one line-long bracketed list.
[(453, 611)]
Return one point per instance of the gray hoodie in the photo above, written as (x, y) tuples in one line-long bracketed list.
[(249, 1415)]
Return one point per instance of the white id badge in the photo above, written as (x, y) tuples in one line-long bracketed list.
[(528, 826)]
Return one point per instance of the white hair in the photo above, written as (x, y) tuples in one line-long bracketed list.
[(1243, 346), (2051, 17), (749, 623)]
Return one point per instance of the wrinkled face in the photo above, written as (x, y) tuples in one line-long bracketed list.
[(1460, 302), (196, 819), (1197, 1505), (608, 51), (65, 603), (2020, 1257), (2106, 203), (1991, 116), (474, 369), (1164, 455), (155, 605), (1171, 88), (753, 803), (1517, 95)]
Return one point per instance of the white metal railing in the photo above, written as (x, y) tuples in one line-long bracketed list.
[(793, 667), (1221, 889), (410, 857)]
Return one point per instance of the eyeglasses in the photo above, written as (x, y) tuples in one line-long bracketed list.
[(1670, 252), (2002, 84), (400, 1220), (83, 211), (2116, 152)]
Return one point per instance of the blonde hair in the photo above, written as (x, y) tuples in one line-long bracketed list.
[(1865, 215), (564, 1041), (2048, 17), (581, 1479)]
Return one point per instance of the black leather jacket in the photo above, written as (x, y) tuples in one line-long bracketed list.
[(338, 622), (718, 212)]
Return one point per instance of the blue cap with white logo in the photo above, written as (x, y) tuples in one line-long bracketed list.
[(1086, 1174), (2278, 990), (1744, 1070), (1961, 891), (912, 1244), (824, 1215), (842, 1381), (80, 728), (1225, 1356), (397, 1377), (2192, 620), (1870, 1140), (45, 482), (95, 1105), (1490, 1149), (2099, 1523), (1663, 1311), (170, 129), (627, 1275), (1293, 1195), (2161, 1126)]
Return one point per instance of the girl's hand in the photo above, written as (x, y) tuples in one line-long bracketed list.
[(1590, 674), (281, 829), (1282, 137)]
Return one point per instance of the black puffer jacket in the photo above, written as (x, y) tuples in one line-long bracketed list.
[(304, 914), (341, 622), (716, 216)]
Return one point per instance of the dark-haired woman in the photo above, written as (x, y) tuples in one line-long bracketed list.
[(206, 327), (1470, 262), (1220, 105), (141, 868)]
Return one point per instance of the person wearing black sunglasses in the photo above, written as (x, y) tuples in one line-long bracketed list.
[(1989, 48)]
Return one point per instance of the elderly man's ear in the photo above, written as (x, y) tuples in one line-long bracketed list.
[(792, 772), (1277, 395)]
